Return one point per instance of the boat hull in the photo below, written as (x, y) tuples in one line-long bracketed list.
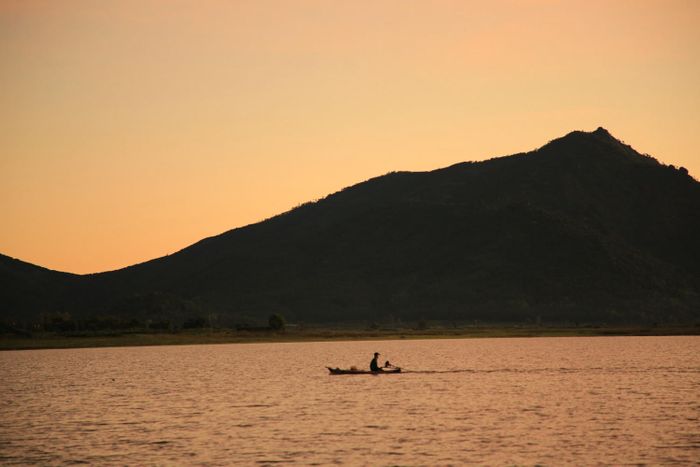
[(340, 371)]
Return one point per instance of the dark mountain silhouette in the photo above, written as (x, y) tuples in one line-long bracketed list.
[(26, 289), (584, 229)]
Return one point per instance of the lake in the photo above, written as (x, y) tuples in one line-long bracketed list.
[(525, 401)]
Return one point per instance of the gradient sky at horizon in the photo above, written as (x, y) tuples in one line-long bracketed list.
[(131, 129)]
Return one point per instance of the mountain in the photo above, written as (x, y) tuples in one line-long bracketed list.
[(584, 229), (26, 289)]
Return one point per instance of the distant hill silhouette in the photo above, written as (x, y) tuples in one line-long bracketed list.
[(584, 229)]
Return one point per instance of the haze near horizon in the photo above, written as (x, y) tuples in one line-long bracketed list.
[(130, 130)]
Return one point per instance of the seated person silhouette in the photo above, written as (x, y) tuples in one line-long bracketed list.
[(373, 366)]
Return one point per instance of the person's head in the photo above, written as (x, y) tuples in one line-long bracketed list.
[(376, 354)]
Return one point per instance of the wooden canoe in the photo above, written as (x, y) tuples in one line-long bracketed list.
[(340, 371)]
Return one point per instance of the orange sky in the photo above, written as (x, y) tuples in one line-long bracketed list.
[(130, 129)]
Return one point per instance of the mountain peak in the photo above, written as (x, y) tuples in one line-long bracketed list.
[(598, 144), (599, 134), (602, 132)]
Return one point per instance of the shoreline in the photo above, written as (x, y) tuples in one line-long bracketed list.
[(225, 336)]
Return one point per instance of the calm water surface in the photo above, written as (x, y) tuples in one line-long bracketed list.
[(552, 401)]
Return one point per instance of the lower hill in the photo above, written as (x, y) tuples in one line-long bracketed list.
[(584, 229)]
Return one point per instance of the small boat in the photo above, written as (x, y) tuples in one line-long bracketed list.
[(355, 371)]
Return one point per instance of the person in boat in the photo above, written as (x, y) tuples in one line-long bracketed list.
[(373, 365), (388, 364)]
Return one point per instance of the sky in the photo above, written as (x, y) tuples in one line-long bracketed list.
[(131, 129)]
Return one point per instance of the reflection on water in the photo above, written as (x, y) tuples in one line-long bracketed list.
[(610, 400)]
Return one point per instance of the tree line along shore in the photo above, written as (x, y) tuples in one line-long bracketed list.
[(309, 333)]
